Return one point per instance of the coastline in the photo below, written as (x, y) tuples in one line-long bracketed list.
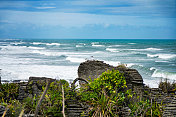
[(93, 69)]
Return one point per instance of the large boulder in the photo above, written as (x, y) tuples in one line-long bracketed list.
[(94, 68)]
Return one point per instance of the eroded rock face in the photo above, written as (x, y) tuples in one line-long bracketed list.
[(93, 69), (170, 110), (32, 87)]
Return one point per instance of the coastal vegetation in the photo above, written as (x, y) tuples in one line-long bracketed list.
[(167, 86), (106, 96)]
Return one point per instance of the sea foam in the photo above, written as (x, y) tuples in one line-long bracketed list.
[(163, 74), (146, 49), (24, 72), (113, 63), (36, 48), (79, 46), (162, 56), (75, 60), (153, 49), (47, 53), (37, 43), (97, 45), (112, 49)]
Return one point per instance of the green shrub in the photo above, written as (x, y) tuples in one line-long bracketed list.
[(52, 103), (144, 108), (9, 91), (106, 93), (167, 86)]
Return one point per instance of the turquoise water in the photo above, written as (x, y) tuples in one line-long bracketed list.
[(22, 58)]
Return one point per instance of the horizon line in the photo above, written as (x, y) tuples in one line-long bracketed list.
[(90, 38)]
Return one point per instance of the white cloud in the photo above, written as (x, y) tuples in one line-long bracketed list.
[(45, 7), (81, 19)]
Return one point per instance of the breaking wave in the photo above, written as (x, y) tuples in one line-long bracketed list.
[(147, 49), (162, 61), (162, 56), (75, 60), (153, 49), (17, 43), (113, 63), (37, 43), (130, 64), (36, 48), (162, 74), (79, 46), (97, 45), (112, 49), (116, 45), (152, 68), (47, 53), (9, 47)]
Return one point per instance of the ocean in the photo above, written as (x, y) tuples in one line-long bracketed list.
[(59, 59)]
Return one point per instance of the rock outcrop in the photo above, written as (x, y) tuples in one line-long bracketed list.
[(32, 87), (93, 69), (170, 110), (75, 108)]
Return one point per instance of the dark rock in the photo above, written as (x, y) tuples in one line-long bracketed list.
[(2, 109), (16, 81), (39, 79), (93, 69), (75, 109), (5, 81), (170, 109), (32, 87)]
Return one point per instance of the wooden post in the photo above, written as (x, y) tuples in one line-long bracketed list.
[(21, 114), (63, 102), (5, 112), (151, 107)]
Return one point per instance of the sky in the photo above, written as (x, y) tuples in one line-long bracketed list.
[(88, 19)]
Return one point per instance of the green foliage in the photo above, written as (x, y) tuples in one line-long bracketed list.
[(145, 108), (167, 86), (157, 110), (14, 107), (139, 108), (106, 93), (52, 103), (30, 104), (9, 91), (105, 96)]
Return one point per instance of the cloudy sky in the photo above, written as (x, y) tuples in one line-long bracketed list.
[(88, 19)]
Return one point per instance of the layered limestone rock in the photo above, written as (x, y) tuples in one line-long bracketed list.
[(32, 87), (93, 69), (170, 110)]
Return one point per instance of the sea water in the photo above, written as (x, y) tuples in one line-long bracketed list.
[(59, 59)]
